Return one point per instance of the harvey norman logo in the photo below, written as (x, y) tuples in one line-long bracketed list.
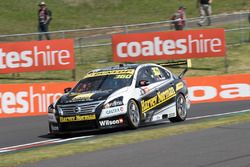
[(36, 56), (169, 45)]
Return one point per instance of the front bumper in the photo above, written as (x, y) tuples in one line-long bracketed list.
[(64, 127)]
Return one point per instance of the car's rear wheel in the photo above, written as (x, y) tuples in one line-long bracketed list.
[(133, 114), (181, 109)]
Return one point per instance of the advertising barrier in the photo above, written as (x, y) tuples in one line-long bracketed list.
[(168, 45), (37, 56), (34, 99), (219, 88), (29, 99)]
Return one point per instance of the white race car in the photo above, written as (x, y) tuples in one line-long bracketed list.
[(122, 95)]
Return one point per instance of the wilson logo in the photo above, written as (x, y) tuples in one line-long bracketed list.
[(111, 122)]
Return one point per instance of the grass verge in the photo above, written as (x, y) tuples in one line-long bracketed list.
[(117, 139), (20, 16)]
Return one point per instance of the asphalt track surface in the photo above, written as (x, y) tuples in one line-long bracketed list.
[(224, 146), (17, 131)]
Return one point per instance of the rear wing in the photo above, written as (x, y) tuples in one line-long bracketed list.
[(179, 63)]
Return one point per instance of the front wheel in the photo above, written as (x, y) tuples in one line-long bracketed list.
[(181, 109), (133, 115)]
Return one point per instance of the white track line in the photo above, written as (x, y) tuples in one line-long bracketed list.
[(39, 143), (28, 144), (74, 138), (217, 115), (214, 115)]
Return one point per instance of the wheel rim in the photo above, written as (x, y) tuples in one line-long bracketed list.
[(134, 114), (181, 107)]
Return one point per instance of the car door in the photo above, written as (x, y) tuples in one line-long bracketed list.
[(165, 90), (157, 92), (146, 86)]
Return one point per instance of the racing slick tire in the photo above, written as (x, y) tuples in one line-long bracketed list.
[(133, 115), (181, 109)]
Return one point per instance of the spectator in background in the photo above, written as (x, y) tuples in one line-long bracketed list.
[(249, 18), (179, 18), (205, 11), (249, 23), (44, 18)]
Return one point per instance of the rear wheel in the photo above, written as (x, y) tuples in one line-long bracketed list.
[(133, 115), (181, 109)]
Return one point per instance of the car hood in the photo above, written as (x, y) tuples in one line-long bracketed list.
[(84, 97)]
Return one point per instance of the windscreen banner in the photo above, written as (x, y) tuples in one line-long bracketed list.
[(33, 99), (169, 45), (35, 56)]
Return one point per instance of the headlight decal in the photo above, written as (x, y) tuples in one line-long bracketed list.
[(114, 103)]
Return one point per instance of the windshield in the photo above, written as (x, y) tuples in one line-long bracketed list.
[(109, 83)]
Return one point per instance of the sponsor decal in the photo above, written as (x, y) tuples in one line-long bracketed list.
[(156, 71), (111, 122), (77, 118), (123, 76), (114, 111), (145, 90), (168, 45), (37, 56), (111, 72), (160, 98), (83, 97), (29, 99), (179, 86), (219, 88)]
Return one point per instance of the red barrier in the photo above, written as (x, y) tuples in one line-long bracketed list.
[(29, 99), (37, 56), (33, 99), (219, 88), (168, 45)]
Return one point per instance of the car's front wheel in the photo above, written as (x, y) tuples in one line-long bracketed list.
[(133, 114), (181, 109)]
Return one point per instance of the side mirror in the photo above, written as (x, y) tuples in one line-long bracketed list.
[(66, 90), (144, 83)]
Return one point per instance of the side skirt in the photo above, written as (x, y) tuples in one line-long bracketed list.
[(166, 112)]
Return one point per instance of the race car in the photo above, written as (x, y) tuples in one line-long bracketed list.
[(125, 95)]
